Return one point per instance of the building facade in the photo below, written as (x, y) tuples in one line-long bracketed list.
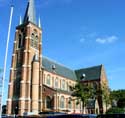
[(38, 83)]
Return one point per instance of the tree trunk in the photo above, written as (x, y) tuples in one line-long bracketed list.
[(83, 107), (106, 106)]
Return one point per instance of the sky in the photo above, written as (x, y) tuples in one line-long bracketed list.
[(76, 33)]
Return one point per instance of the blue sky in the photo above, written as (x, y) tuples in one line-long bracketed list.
[(76, 33)]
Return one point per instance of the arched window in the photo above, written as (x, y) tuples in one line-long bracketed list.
[(20, 40), (48, 102), (56, 82), (34, 39), (44, 76), (62, 101), (48, 81), (63, 84), (77, 104), (36, 42), (70, 103), (69, 84)]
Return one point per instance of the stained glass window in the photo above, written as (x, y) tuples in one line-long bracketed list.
[(62, 100)]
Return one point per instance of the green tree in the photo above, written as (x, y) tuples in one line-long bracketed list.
[(101, 92), (121, 103), (105, 94), (115, 110), (118, 96), (81, 92)]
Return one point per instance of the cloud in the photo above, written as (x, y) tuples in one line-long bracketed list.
[(110, 39), (87, 36)]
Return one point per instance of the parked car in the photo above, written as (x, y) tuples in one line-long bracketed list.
[(7, 116), (111, 116), (3, 116), (50, 113), (30, 116), (74, 116)]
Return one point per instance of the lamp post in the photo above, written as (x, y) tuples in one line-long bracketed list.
[(5, 60)]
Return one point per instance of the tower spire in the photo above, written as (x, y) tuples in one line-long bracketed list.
[(30, 13)]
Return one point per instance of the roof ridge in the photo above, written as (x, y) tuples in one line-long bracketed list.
[(90, 67), (57, 63)]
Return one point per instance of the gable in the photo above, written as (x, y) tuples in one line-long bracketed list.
[(91, 73)]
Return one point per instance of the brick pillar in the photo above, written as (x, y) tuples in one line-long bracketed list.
[(11, 81), (40, 89), (35, 88), (55, 102)]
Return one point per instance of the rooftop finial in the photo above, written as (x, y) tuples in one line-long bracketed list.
[(39, 25), (20, 21), (30, 13)]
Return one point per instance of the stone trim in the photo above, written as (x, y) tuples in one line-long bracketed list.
[(11, 69), (28, 82), (14, 42), (27, 37), (29, 25), (22, 81), (27, 51), (10, 83), (24, 99), (9, 99), (24, 66)]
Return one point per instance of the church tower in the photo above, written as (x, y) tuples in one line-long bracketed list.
[(25, 84)]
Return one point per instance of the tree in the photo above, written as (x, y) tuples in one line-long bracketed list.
[(101, 92), (118, 96), (115, 110), (105, 94), (121, 103), (82, 92)]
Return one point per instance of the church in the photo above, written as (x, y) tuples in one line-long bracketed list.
[(38, 83)]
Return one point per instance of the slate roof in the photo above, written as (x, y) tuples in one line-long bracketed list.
[(91, 73), (30, 13), (59, 68)]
